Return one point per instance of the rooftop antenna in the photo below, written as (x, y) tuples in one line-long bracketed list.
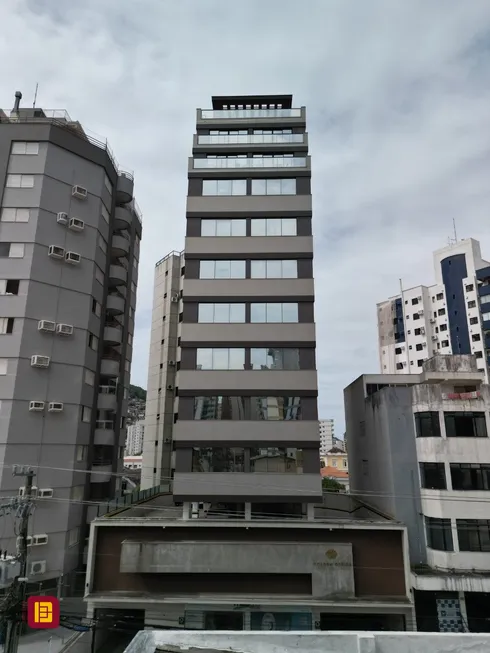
[(35, 96), (455, 234), (18, 97)]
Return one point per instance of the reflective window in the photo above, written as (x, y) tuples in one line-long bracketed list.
[(439, 534), (273, 186), (275, 408), (274, 312), (427, 424), (276, 460), (465, 424), (221, 313), (20, 181), (220, 359), (218, 459), (224, 227), (15, 215), (274, 269), (222, 270), (273, 227), (219, 407), (473, 534), (272, 358), (20, 147), (224, 187)]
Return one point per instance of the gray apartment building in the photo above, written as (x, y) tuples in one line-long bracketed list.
[(69, 247), (246, 436)]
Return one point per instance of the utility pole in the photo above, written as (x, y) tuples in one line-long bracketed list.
[(19, 587)]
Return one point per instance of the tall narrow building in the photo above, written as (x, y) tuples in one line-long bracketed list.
[(246, 440), (69, 248)]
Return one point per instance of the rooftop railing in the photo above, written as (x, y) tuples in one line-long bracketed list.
[(212, 114), (248, 139), (256, 162)]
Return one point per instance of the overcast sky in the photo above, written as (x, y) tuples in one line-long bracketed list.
[(398, 108)]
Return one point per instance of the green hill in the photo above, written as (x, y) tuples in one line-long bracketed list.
[(135, 392)]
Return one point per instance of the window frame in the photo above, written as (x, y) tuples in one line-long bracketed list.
[(269, 185), (435, 527), (435, 424)]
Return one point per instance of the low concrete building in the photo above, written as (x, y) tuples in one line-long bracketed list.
[(219, 571), (419, 452)]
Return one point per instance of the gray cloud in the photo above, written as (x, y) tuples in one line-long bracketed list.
[(397, 95)]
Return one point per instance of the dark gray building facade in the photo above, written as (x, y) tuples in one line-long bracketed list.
[(69, 247)]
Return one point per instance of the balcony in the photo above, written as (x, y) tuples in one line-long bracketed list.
[(104, 433), (113, 334), (110, 366), (123, 218), (250, 139), (115, 305), (107, 399), (250, 114), (249, 162), (120, 246), (117, 275), (101, 471), (124, 187)]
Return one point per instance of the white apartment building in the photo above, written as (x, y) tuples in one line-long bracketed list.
[(326, 429), (419, 451), (162, 369), (445, 318), (135, 438)]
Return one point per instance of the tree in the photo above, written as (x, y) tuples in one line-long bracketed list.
[(331, 485)]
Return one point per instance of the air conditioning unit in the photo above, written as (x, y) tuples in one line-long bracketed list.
[(62, 218), (421, 312), (422, 331), (170, 387), (424, 344), (56, 252), (40, 361), (22, 491), (36, 406), (37, 568), (73, 258), (37, 540), (419, 298), (172, 363), (79, 192), (175, 299), (64, 329), (55, 407), (434, 338), (432, 321), (19, 541), (167, 440), (76, 224), (45, 493), (46, 325), (404, 364)]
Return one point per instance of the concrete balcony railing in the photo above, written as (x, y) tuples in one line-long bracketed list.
[(115, 304), (120, 246), (118, 276), (124, 187), (107, 399), (109, 367), (104, 433), (113, 335), (101, 471), (123, 217)]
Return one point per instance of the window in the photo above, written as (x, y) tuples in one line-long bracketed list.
[(398, 350), (440, 296), (399, 366), (277, 460), (274, 313), (473, 534), (93, 341), (273, 186), (20, 181), (73, 536), (89, 377), (465, 425), (441, 311), (96, 308), (3, 366), (473, 320), (439, 534), (275, 408), (102, 244), (472, 304), (427, 424), (99, 275), (86, 414), (224, 227), (9, 286), (475, 337), (220, 359), (222, 270), (6, 325), (417, 332), (275, 359), (419, 346), (469, 287), (104, 213), (20, 147), (221, 313), (416, 316), (218, 459), (15, 215), (445, 343), (432, 476), (420, 362), (11, 250), (478, 354), (81, 453), (219, 407), (274, 269), (107, 184), (415, 301), (224, 187), (273, 227), (443, 327), (470, 476)]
